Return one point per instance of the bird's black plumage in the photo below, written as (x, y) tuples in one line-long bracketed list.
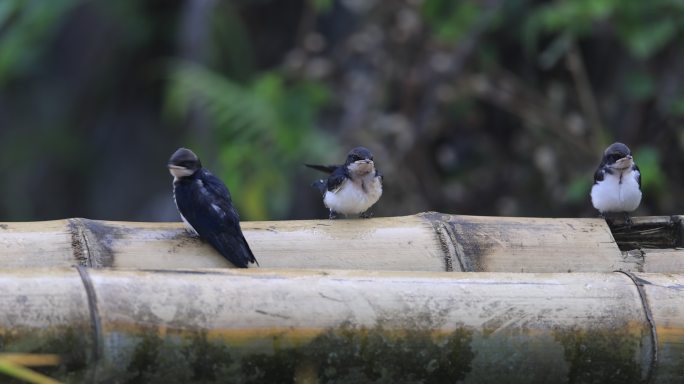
[(205, 203)]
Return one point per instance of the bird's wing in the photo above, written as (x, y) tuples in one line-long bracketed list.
[(324, 168), (379, 174), (218, 194), (637, 174), (321, 185), (336, 179), (210, 212), (599, 174)]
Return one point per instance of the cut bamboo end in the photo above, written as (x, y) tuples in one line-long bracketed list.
[(426, 242), (344, 325)]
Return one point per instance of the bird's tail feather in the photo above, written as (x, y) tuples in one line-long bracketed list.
[(235, 250), (323, 168)]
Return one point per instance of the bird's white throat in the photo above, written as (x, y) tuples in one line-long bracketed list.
[(362, 167), (178, 171)]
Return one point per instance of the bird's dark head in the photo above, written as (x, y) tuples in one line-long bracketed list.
[(183, 163), (360, 161), (618, 156)]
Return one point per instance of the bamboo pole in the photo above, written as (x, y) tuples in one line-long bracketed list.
[(425, 242), (273, 325)]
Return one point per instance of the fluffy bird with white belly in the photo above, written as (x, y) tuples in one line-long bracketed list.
[(617, 182), (353, 187)]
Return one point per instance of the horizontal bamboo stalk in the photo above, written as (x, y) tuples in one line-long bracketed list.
[(425, 242), (273, 325)]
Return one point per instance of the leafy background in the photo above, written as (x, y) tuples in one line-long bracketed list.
[(485, 107)]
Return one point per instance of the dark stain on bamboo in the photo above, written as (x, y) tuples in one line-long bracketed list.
[(602, 356), (635, 257), (342, 354), (460, 241), (93, 242), (353, 354), (464, 237), (100, 238), (661, 232), (447, 241), (184, 238), (79, 244), (196, 359)]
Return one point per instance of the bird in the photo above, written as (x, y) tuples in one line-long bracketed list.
[(351, 188), (617, 183), (205, 205)]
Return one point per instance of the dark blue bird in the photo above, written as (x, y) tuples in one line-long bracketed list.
[(205, 206)]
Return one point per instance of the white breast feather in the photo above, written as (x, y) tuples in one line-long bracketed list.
[(611, 195), (350, 197)]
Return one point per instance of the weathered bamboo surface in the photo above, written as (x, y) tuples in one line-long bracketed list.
[(347, 326), (425, 242)]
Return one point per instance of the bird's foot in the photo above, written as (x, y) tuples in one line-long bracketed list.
[(333, 215), (628, 220), (605, 217), (366, 215)]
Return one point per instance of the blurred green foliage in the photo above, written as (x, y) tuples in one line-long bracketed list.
[(653, 179), (496, 107), (28, 24), (644, 27), (451, 20), (263, 130)]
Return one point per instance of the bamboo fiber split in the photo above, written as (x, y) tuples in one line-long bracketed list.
[(275, 325)]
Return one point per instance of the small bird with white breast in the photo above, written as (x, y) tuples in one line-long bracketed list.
[(617, 183), (353, 187), (205, 206)]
